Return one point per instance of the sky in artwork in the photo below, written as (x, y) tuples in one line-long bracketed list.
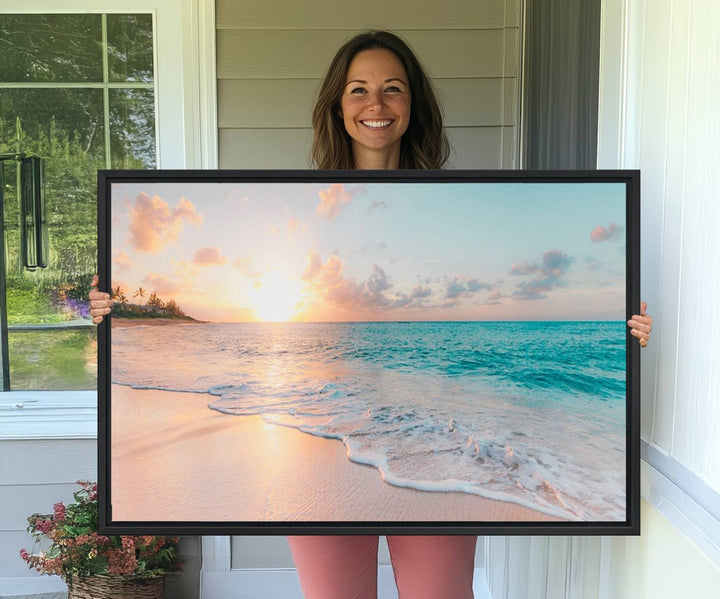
[(381, 251)]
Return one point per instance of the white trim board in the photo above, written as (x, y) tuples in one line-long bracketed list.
[(692, 516)]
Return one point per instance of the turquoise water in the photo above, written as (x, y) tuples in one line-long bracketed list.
[(528, 412)]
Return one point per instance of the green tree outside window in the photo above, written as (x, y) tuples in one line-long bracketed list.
[(82, 88)]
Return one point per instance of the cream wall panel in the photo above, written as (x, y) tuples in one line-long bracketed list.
[(471, 148), (265, 148), (280, 103), (676, 26), (11, 565), (336, 14), (472, 102), (261, 103), (510, 147), (652, 151), (512, 13), (510, 101), (19, 501), (474, 147), (52, 461), (697, 416), (268, 54), (511, 41)]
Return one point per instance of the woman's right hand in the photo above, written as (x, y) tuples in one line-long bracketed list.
[(100, 302)]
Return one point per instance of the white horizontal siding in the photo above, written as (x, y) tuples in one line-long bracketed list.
[(334, 14)]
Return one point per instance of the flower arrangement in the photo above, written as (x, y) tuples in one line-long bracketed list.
[(77, 551)]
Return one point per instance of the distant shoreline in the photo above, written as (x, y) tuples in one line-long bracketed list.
[(120, 322)]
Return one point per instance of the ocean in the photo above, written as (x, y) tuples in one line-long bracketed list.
[(528, 412)]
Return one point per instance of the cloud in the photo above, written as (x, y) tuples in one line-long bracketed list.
[(553, 268), (378, 281), (377, 206), (419, 292), (292, 225), (523, 268), (314, 266), (160, 284), (460, 287), (244, 265), (209, 256), (332, 198), (328, 281), (493, 298), (121, 261), (154, 224), (600, 233)]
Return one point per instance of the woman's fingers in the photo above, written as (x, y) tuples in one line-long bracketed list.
[(641, 325), (100, 302)]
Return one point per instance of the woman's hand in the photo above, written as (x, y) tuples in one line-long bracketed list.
[(100, 303), (641, 325)]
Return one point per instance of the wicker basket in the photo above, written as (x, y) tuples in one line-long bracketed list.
[(116, 587)]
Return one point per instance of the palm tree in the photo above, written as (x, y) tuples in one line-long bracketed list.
[(119, 295), (139, 292)]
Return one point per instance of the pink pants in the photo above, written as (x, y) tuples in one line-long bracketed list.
[(337, 567)]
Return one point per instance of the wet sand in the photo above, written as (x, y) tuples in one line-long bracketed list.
[(174, 459)]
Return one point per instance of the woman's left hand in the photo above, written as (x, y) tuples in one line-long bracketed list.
[(641, 325)]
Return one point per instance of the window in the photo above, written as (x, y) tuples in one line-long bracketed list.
[(77, 90)]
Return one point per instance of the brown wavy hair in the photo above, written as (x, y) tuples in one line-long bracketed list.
[(423, 146)]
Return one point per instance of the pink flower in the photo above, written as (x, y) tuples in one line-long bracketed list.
[(121, 562), (128, 543), (24, 555), (44, 526), (59, 509)]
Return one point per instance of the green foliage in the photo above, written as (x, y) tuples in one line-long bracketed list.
[(27, 305), (53, 359)]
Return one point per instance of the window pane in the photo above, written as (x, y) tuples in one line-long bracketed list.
[(130, 47), (65, 127), (50, 48), (54, 359), (52, 343), (132, 128)]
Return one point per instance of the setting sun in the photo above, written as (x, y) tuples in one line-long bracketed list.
[(275, 297)]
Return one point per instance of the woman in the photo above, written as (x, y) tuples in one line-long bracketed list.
[(377, 110)]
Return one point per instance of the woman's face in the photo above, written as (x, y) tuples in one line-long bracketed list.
[(375, 106)]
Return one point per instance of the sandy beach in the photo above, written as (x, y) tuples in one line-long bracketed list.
[(174, 459)]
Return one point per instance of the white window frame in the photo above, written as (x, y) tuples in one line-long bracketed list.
[(186, 129)]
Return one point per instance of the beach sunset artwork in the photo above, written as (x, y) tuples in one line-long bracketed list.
[(368, 352)]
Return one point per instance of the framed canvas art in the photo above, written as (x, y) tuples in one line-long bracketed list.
[(386, 352)]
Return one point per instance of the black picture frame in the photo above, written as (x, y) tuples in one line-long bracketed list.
[(626, 237)]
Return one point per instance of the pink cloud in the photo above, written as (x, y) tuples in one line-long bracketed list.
[(209, 256), (523, 268), (313, 268), (160, 284), (154, 224), (244, 265), (601, 233), (121, 261), (331, 200)]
